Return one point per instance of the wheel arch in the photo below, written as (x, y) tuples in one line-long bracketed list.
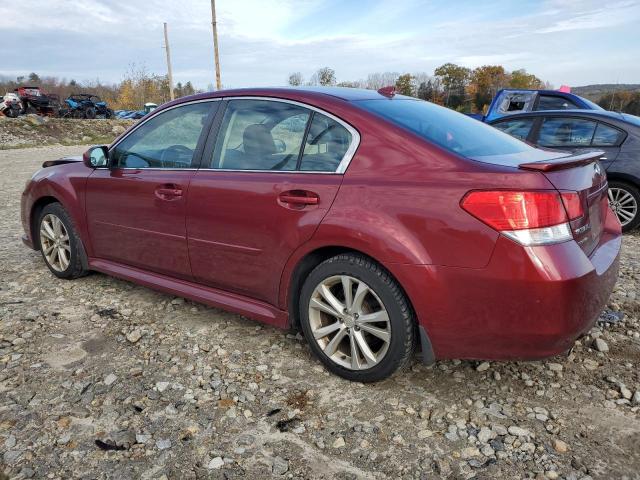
[(623, 177), (291, 286), (34, 215), (298, 270)]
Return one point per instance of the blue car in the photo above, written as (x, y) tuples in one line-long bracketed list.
[(616, 134), (510, 101)]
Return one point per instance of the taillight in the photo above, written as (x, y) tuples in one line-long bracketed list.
[(528, 217)]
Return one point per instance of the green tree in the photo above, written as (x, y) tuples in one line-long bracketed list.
[(404, 85), (522, 79), (34, 78), (454, 80)]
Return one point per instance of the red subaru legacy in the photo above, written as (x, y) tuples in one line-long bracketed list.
[(370, 220)]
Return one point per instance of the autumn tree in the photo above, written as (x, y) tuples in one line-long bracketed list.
[(522, 79), (404, 85), (430, 91), (295, 79), (454, 80), (485, 83)]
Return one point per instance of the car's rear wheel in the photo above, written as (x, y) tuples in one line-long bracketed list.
[(60, 245), (624, 200), (356, 318), (90, 113)]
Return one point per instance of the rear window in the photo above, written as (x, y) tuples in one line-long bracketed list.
[(450, 130)]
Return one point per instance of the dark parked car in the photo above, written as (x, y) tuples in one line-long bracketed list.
[(385, 222), (616, 134)]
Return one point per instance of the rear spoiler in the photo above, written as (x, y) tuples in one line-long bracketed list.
[(563, 162)]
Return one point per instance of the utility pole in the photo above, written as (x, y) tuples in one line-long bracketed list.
[(170, 74), (215, 44)]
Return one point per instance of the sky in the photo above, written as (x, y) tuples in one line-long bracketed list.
[(573, 42)]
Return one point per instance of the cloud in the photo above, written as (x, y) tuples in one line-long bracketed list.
[(262, 41)]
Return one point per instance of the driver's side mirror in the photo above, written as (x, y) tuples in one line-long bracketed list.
[(96, 157)]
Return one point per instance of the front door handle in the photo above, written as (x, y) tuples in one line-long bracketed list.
[(168, 192), (299, 198)]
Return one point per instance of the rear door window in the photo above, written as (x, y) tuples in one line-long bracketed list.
[(326, 145), (519, 128), (566, 132), (553, 102), (260, 135)]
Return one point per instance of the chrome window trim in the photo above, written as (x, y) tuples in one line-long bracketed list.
[(145, 120), (346, 159)]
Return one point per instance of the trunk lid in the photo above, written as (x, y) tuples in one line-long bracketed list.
[(583, 174)]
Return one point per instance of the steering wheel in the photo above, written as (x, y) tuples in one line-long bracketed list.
[(169, 154)]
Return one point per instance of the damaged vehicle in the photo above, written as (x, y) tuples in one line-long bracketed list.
[(10, 105), (512, 101), (34, 100)]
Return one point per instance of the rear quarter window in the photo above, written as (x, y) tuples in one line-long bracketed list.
[(450, 130)]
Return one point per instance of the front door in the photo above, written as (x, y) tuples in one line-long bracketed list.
[(263, 191), (136, 209)]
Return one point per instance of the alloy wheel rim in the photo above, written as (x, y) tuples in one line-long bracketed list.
[(54, 241), (349, 322), (623, 204)]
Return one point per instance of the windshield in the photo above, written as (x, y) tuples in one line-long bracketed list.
[(446, 128)]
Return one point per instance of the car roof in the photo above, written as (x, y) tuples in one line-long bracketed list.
[(600, 114), (344, 93)]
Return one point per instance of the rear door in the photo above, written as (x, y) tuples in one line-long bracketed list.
[(136, 209), (579, 135), (266, 181)]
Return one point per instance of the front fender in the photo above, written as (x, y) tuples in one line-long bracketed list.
[(67, 185)]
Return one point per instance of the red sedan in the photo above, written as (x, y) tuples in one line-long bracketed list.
[(370, 220)]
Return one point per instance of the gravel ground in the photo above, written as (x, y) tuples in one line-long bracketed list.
[(100, 378)]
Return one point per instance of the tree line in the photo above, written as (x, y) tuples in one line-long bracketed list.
[(137, 87), (451, 85)]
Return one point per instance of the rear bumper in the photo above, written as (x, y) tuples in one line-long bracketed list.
[(528, 303)]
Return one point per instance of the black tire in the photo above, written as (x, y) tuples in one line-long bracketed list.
[(635, 193), (78, 265), (12, 111), (402, 324), (109, 114), (90, 113)]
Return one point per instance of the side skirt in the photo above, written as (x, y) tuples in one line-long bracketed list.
[(263, 312)]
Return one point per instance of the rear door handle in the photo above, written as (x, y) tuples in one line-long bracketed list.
[(300, 198)]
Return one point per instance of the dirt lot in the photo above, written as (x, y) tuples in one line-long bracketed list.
[(33, 130), (100, 378)]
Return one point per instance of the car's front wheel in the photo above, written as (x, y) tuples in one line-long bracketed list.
[(356, 318), (60, 245), (624, 200)]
